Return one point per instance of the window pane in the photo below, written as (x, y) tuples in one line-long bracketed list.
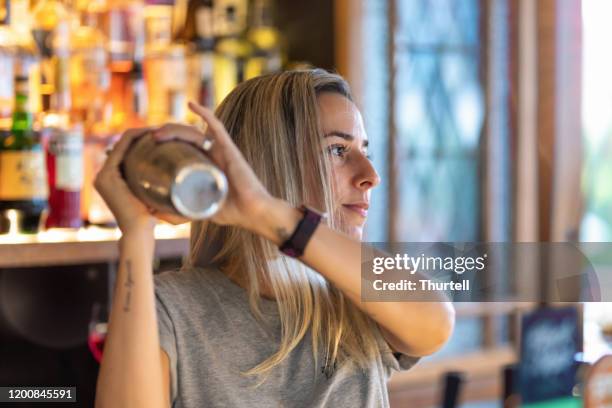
[(441, 22), (439, 110)]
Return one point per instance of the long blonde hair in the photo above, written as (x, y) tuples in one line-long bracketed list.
[(274, 121)]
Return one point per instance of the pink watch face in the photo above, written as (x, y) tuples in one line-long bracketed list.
[(291, 252)]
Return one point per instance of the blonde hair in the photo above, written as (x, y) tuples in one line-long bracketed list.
[(274, 121)]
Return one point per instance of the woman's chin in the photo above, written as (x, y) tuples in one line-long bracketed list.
[(352, 224), (355, 232)]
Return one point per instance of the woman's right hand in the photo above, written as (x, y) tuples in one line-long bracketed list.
[(131, 214), (247, 197)]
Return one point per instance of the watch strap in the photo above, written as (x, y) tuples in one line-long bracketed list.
[(295, 245)]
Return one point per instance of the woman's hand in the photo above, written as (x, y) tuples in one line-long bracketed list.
[(131, 214), (247, 197)]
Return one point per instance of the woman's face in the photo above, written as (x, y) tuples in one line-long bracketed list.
[(353, 173)]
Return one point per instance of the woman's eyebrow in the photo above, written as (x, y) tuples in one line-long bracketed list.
[(345, 136)]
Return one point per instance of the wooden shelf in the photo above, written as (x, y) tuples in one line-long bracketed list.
[(82, 248)]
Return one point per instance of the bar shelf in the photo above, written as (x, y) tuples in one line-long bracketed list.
[(84, 246)]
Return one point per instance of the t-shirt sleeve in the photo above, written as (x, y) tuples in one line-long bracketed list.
[(394, 361), (167, 338)]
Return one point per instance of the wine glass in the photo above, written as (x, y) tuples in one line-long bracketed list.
[(97, 331)]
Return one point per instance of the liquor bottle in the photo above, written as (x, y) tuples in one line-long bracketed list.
[(101, 134), (64, 152), (51, 32), (266, 39), (174, 178), (198, 12), (23, 178), (65, 175), (198, 34), (137, 98), (7, 57), (124, 29), (166, 78), (165, 66), (21, 21), (21, 24), (232, 49), (126, 34), (158, 24), (89, 57)]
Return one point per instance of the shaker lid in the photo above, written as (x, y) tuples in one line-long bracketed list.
[(199, 190)]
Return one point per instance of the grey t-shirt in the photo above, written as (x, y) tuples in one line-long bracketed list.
[(210, 334)]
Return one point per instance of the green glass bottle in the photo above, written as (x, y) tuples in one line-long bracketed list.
[(23, 177)]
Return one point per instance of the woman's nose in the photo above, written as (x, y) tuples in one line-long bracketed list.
[(367, 176)]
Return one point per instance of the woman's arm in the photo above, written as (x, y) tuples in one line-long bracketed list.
[(413, 328), (131, 372)]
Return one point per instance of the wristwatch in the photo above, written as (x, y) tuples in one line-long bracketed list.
[(295, 245)]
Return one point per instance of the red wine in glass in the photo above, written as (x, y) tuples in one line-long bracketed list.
[(95, 341), (97, 331)]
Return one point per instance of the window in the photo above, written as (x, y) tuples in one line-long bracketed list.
[(597, 136), (439, 111), (432, 176), (597, 121)]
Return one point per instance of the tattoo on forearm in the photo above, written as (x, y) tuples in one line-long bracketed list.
[(129, 283), (282, 234)]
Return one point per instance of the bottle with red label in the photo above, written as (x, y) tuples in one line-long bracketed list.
[(65, 175), (64, 151)]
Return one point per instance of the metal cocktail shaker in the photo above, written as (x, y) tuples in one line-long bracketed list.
[(174, 177)]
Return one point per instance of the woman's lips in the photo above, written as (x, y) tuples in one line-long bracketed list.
[(358, 209)]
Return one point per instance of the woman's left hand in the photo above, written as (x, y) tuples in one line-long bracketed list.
[(247, 197)]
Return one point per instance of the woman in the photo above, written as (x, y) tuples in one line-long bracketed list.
[(242, 325)]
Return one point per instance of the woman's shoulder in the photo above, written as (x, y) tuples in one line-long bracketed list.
[(181, 286), (179, 278)]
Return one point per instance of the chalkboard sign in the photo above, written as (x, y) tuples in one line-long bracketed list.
[(550, 339)]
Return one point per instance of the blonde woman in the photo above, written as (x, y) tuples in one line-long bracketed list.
[(244, 324)]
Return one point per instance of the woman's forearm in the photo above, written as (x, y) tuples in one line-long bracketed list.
[(414, 328), (130, 372)]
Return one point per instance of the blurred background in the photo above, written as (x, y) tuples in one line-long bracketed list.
[(488, 120)]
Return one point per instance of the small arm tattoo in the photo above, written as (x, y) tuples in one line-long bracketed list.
[(129, 283), (282, 234)]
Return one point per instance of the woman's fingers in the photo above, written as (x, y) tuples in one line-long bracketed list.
[(192, 135), (215, 140), (215, 126), (176, 131), (120, 148)]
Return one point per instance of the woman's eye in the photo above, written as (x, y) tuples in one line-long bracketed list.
[(337, 150)]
